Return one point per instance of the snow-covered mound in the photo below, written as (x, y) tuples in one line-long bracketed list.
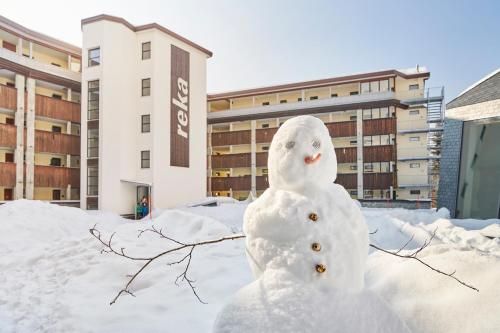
[(279, 302)]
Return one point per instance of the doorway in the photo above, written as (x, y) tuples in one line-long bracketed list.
[(142, 194), (8, 194)]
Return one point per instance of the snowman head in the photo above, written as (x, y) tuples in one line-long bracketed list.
[(302, 155)]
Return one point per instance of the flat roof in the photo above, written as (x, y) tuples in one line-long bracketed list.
[(405, 73), (39, 38), (135, 28)]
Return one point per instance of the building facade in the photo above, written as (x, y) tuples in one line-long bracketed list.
[(385, 127), (143, 116), (470, 168), (39, 116)]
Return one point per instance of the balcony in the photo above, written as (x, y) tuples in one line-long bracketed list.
[(39, 66), (8, 97), (57, 109), (290, 109), (230, 138), (8, 136), (379, 126), (58, 143), (382, 180), (59, 177), (7, 174), (342, 129), (379, 153)]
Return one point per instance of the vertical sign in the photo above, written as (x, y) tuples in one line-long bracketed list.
[(179, 107)]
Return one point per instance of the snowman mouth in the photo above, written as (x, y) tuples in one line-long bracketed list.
[(312, 159)]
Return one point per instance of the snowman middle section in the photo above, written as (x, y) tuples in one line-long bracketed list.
[(319, 236)]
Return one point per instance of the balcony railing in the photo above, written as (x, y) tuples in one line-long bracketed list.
[(385, 153), (241, 183), (57, 109), (60, 177), (8, 97), (379, 126), (7, 136), (230, 138), (7, 174), (59, 143), (342, 129)]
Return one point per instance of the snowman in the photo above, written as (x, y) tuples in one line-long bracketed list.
[(307, 245)]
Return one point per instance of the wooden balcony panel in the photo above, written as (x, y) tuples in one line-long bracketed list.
[(261, 159), (383, 180), (262, 182), (348, 181), (59, 143), (231, 161), (265, 135), (379, 153), (8, 97), (231, 138), (346, 155), (8, 136), (342, 129), (49, 176), (57, 109), (242, 183), (379, 126), (7, 174)]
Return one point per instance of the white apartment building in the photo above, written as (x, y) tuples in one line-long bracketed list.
[(143, 116)]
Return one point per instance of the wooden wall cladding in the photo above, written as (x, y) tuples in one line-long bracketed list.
[(379, 153), (381, 180), (349, 181), (231, 138), (261, 159), (8, 136), (262, 182), (7, 174), (342, 129), (379, 126), (265, 135), (346, 155), (231, 161), (49, 142), (48, 176), (242, 183), (8, 97), (57, 109)]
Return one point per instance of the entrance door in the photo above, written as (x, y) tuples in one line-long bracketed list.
[(7, 194), (142, 192)]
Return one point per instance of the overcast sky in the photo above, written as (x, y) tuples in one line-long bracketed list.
[(259, 43)]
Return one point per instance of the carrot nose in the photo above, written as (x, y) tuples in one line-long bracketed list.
[(312, 159)]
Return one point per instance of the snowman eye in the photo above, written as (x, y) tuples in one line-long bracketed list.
[(290, 144), (316, 144)]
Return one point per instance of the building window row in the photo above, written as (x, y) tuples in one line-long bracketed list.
[(374, 86), (378, 140), (377, 167), (377, 113)]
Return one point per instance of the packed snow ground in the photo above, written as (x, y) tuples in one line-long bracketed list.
[(53, 277)]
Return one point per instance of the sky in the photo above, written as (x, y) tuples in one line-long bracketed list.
[(258, 43)]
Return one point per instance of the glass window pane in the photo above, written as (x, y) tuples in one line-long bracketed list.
[(376, 113), (384, 85), (365, 87), (384, 112), (374, 86)]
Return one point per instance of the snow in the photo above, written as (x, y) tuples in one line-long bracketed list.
[(53, 277)]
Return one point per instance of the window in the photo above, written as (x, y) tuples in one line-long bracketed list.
[(299, 99), (55, 161), (384, 112), (92, 142), (367, 114), (353, 142), (353, 93), (384, 139), (353, 167), (414, 165), (265, 148), (415, 192), (93, 100), (94, 57), (56, 129), (376, 140), (145, 159), (375, 113), (56, 194), (413, 87), (53, 63), (385, 167), (265, 171), (313, 98), (353, 117), (9, 157), (414, 112), (283, 101), (265, 126), (146, 87), (146, 50), (367, 141), (368, 194), (92, 176), (384, 85), (365, 87), (353, 192), (414, 138), (56, 96), (374, 87), (265, 103), (10, 84), (368, 167), (9, 121), (145, 123), (334, 95)]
